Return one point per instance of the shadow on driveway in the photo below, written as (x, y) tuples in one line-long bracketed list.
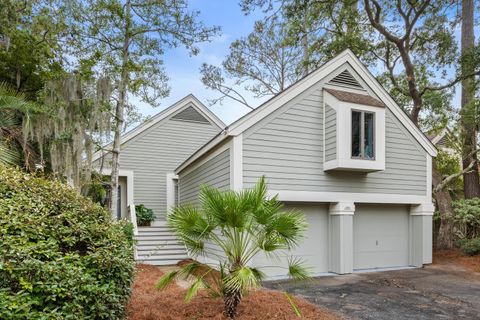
[(433, 292)]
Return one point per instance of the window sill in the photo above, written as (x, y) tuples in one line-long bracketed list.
[(358, 165)]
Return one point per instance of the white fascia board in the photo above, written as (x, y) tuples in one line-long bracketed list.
[(429, 178), (314, 196), (346, 56), (391, 104), (200, 152), (287, 95), (207, 113), (279, 100), (198, 162), (190, 99)]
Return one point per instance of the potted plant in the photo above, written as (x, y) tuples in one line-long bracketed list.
[(144, 215)]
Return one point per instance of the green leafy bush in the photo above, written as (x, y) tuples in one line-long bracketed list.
[(144, 215), (467, 217), (471, 247), (61, 255)]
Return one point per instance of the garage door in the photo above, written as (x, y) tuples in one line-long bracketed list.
[(313, 249), (380, 236)]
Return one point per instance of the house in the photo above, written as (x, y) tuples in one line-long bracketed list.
[(336, 146), (444, 140), (149, 155)]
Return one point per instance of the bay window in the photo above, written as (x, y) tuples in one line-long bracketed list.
[(363, 135)]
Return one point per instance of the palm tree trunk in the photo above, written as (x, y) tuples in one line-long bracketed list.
[(231, 300)]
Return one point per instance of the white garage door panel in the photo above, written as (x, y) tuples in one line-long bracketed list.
[(380, 236), (313, 249)]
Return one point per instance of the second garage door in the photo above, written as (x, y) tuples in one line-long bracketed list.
[(380, 236)]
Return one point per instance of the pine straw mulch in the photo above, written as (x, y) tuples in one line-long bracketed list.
[(456, 257), (147, 303)]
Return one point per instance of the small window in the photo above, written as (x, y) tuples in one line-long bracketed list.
[(363, 135)]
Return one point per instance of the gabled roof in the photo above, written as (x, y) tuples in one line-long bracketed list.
[(347, 56), (439, 138), (186, 103)]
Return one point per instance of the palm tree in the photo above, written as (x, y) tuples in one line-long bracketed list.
[(15, 113), (240, 225)]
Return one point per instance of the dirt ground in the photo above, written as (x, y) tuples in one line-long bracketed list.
[(147, 303), (455, 257), (447, 289)]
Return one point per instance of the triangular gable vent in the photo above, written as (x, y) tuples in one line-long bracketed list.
[(190, 114), (345, 78)]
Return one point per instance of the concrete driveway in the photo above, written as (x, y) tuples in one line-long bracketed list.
[(433, 292)]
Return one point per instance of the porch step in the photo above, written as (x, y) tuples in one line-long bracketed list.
[(158, 245), (161, 237), (168, 248)]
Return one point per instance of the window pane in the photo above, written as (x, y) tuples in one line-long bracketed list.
[(369, 148), (356, 135)]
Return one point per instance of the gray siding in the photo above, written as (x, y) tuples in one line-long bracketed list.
[(215, 173), (160, 150), (286, 147), (330, 133)]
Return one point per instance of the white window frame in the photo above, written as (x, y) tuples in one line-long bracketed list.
[(344, 160), (362, 135)]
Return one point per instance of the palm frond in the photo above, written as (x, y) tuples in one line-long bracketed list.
[(9, 155), (293, 304), (297, 270), (166, 279), (290, 227), (245, 278), (193, 289)]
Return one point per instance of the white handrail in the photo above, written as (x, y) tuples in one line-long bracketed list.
[(133, 220)]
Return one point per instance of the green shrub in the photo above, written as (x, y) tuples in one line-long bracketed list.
[(471, 247), (467, 217), (61, 255), (144, 215)]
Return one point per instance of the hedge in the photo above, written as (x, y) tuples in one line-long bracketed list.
[(61, 255)]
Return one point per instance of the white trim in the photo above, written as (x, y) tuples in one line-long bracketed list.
[(429, 178), (198, 163), (185, 102), (439, 136), (123, 173), (341, 208), (392, 105), (423, 209), (236, 163), (170, 190), (344, 159), (294, 90), (315, 196), (203, 150)]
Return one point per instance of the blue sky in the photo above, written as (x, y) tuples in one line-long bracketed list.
[(183, 69)]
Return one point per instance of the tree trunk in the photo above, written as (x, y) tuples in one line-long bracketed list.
[(445, 238), (119, 114), (306, 55), (231, 300), (471, 181), (411, 81)]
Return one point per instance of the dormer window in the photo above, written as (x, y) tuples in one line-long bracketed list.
[(354, 131), (363, 135)]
